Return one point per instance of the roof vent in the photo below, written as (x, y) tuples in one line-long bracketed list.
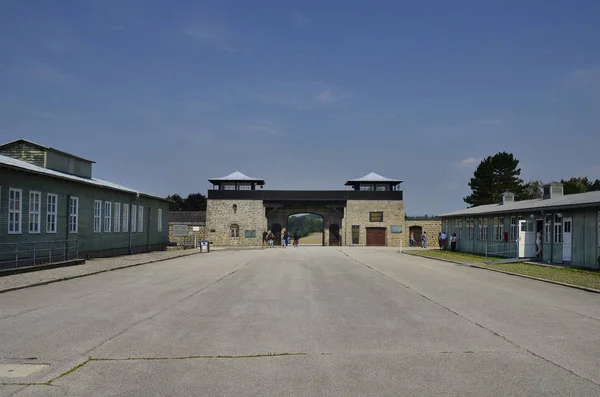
[(552, 190), (507, 197)]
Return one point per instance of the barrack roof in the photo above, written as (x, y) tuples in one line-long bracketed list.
[(10, 162), (21, 140), (570, 200)]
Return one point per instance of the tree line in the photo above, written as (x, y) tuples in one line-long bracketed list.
[(305, 224), (501, 173), (193, 202)]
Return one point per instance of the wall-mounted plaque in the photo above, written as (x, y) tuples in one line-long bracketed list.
[(250, 233), (180, 230), (397, 229)]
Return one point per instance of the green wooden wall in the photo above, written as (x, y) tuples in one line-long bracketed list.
[(87, 240)]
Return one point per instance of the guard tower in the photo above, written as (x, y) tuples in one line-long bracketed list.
[(374, 183), (236, 181)]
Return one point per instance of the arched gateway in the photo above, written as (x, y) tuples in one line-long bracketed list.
[(369, 212)]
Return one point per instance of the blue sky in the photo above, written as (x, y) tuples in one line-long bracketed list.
[(306, 94)]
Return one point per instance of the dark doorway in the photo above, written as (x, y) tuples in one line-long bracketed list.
[(417, 232), (334, 235), (276, 230), (539, 226)]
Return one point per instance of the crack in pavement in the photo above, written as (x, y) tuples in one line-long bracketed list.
[(168, 307), (473, 321)]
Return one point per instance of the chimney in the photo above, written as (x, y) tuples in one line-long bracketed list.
[(507, 197), (552, 190)]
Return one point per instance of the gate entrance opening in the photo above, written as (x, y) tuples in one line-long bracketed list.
[(309, 228)]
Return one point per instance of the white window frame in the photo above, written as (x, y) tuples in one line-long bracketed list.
[(485, 229), (458, 229), (133, 218), (117, 214), (471, 228), (140, 219), (480, 229), (107, 216), (35, 213), (234, 230), (51, 213), (500, 228), (513, 228), (73, 214), (547, 228), (159, 220), (558, 230), (15, 211), (97, 216), (125, 218), (244, 186)]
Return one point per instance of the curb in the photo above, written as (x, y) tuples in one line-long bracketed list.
[(56, 280), (514, 274)]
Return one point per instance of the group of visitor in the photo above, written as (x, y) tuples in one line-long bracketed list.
[(269, 237), (442, 240)]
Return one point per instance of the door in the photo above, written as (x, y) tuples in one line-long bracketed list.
[(276, 229), (526, 241), (567, 239), (334, 234), (417, 232), (376, 236)]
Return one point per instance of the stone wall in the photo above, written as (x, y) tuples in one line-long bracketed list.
[(432, 227), (200, 235), (247, 214), (357, 213)]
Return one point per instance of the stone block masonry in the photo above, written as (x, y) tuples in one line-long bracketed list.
[(357, 213), (224, 215), (432, 227)]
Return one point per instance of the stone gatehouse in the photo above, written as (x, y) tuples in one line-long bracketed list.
[(369, 213)]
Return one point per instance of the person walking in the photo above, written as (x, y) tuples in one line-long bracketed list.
[(440, 244), (296, 239), (412, 239), (271, 238), (265, 235), (424, 240), (286, 237), (453, 240), (444, 240), (538, 243)]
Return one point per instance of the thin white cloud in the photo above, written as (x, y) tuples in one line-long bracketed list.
[(47, 73), (217, 37), (301, 20), (470, 161), (332, 95)]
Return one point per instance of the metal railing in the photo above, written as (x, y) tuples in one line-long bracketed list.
[(507, 250), (14, 255)]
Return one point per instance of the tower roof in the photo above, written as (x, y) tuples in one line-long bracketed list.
[(373, 178), (236, 177)]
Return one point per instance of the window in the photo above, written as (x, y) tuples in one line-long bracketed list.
[(51, 206), (140, 219), (557, 229), (366, 188), (73, 215), (229, 186), (513, 228), (244, 186), (133, 218), (234, 231), (458, 229), (598, 228), (501, 228), (125, 218), (356, 234), (15, 200), (547, 228), (117, 226), (35, 199), (485, 229), (496, 236), (382, 188), (107, 216), (97, 216), (480, 229), (376, 216), (469, 225), (159, 218)]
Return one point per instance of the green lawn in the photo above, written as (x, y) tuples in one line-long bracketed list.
[(584, 278)]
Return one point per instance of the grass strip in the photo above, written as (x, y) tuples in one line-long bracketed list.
[(579, 277)]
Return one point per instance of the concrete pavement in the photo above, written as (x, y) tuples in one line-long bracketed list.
[(301, 321)]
